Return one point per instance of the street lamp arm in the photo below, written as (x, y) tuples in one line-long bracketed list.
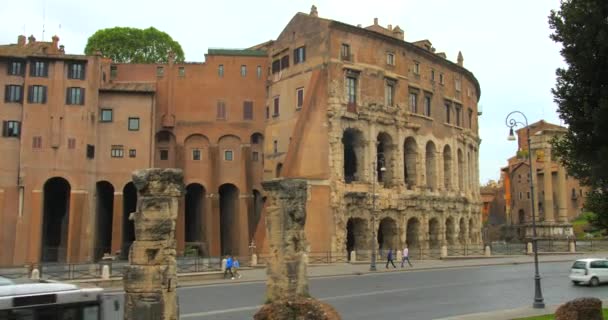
[(512, 122)]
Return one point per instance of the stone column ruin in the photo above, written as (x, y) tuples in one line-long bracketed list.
[(150, 280)]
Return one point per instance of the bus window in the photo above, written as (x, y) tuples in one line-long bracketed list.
[(70, 313), (90, 313)]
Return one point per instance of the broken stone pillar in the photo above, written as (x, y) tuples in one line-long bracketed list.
[(150, 280), (580, 309), (287, 295)]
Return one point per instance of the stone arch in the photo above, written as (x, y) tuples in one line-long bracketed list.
[(450, 231), (104, 212), (353, 144), (430, 165), (129, 205), (195, 217), (55, 220), (356, 235), (460, 170), (462, 232), (410, 154), (384, 158), (388, 235), (472, 234), (434, 233), (413, 233), (257, 139), (447, 167), (165, 149), (229, 228)]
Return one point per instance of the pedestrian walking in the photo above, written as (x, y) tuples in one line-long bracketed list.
[(235, 268), (228, 267), (406, 256), (389, 258)]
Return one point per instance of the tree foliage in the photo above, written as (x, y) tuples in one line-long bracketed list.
[(132, 45), (581, 93)]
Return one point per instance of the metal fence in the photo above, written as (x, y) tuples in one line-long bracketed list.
[(466, 250), (507, 248), (591, 245)]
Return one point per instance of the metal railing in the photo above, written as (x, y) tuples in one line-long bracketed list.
[(507, 248), (465, 250)]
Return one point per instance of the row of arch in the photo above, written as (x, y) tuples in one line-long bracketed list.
[(386, 159)]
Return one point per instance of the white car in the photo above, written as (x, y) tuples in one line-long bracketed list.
[(592, 271)]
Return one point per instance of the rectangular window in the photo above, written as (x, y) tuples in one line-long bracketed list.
[(520, 195), (221, 110), (196, 154), (427, 105), (276, 107), (458, 109), (228, 155), (248, 110), (528, 194), (220, 71), (416, 68), (243, 70), (299, 55), (134, 124), (181, 72), (432, 75), (164, 154), (160, 71), (37, 94), (113, 72), (276, 66), (351, 91), (345, 52), (390, 59), (90, 151), (285, 62), (299, 98), (117, 151), (413, 102), (132, 153), (71, 143), (39, 69), (76, 71), (458, 84), (389, 93), (267, 112), (275, 146), (13, 93), (441, 81), (259, 72), (16, 68), (75, 96), (470, 119), (447, 112), (255, 156), (106, 115), (37, 142)]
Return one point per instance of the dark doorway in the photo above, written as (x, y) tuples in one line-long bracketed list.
[(462, 234), (434, 233), (387, 234), (55, 220), (229, 196), (450, 231), (104, 210), (129, 205), (352, 142), (194, 217), (413, 230)]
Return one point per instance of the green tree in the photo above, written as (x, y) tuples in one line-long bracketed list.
[(132, 45), (581, 93)]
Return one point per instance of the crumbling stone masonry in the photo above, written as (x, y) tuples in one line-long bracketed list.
[(150, 280)]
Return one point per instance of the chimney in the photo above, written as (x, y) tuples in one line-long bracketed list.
[(21, 40), (375, 21), (390, 27), (460, 59), (62, 48), (55, 39), (313, 11), (31, 39)]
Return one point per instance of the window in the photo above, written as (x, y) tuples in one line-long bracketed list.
[(276, 66), (255, 156), (39, 69), (416, 68), (413, 102), (470, 118), (76, 71), (528, 194), (447, 112), (458, 84), (133, 124), (16, 68), (285, 62), (275, 146), (221, 110), (220, 71), (259, 72), (181, 72), (164, 154), (389, 93), (345, 52), (117, 151), (432, 75), (37, 94), (520, 195), (248, 110), (90, 151), (71, 143), (276, 107), (106, 115), (267, 112), (75, 96), (196, 154), (299, 98), (351, 91), (37, 142), (228, 155), (390, 59), (441, 78), (243, 70), (13, 93), (132, 153), (160, 71), (113, 72), (299, 55), (427, 105), (458, 111)]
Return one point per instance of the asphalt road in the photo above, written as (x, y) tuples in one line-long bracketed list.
[(417, 295)]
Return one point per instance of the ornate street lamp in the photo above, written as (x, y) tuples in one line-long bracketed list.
[(511, 122), (380, 163)]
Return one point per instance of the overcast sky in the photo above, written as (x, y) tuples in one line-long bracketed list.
[(504, 43)]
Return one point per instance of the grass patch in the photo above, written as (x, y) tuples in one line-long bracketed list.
[(551, 317)]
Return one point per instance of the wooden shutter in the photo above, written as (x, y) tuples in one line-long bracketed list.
[(6, 93), (30, 92), (67, 96), (81, 96), (5, 128), (43, 94)]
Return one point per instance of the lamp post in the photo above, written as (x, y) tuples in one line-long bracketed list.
[(511, 122), (375, 168)]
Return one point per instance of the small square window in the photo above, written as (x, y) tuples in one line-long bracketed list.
[(132, 153), (181, 72), (164, 154), (390, 59), (133, 124), (160, 71), (113, 72), (106, 115), (228, 155), (243, 70), (117, 151), (196, 154), (90, 151), (11, 129)]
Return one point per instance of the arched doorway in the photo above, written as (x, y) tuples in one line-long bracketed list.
[(521, 215), (55, 220), (129, 205), (447, 167), (104, 211), (410, 151), (279, 169), (413, 233), (353, 144), (355, 235), (256, 214), (229, 197), (431, 177), (450, 231), (195, 217), (388, 235), (462, 233), (434, 233), (384, 159)]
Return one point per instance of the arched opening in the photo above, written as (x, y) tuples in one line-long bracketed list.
[(388, 236), (450, 231), (410, 151), (278, 170), (257, 138), (195, 217), (355, 235), (469, 173), (229, 197), (384, 159), (129, 205), (256, 214), (434, 233), (431, 178), (55, 220), (447, 167), (472, 236), (460, 171), (353, 145), (104, 211), (521, 216), (413, 233), (462, 232)]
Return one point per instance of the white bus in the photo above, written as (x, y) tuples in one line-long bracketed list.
[(25, 299)]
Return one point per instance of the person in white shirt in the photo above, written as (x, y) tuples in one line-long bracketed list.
[(406, 256)]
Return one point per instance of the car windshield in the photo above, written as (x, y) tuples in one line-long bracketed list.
[(579, 265)]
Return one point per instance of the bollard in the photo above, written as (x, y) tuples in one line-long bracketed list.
[(398, 255), (35, 274), (254, 260), (105, 272), (224, 265), (444, 251), (488, 251), (572, 247), (530, 249), (353, 256)]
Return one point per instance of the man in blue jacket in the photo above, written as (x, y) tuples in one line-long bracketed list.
[(228, 267)]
